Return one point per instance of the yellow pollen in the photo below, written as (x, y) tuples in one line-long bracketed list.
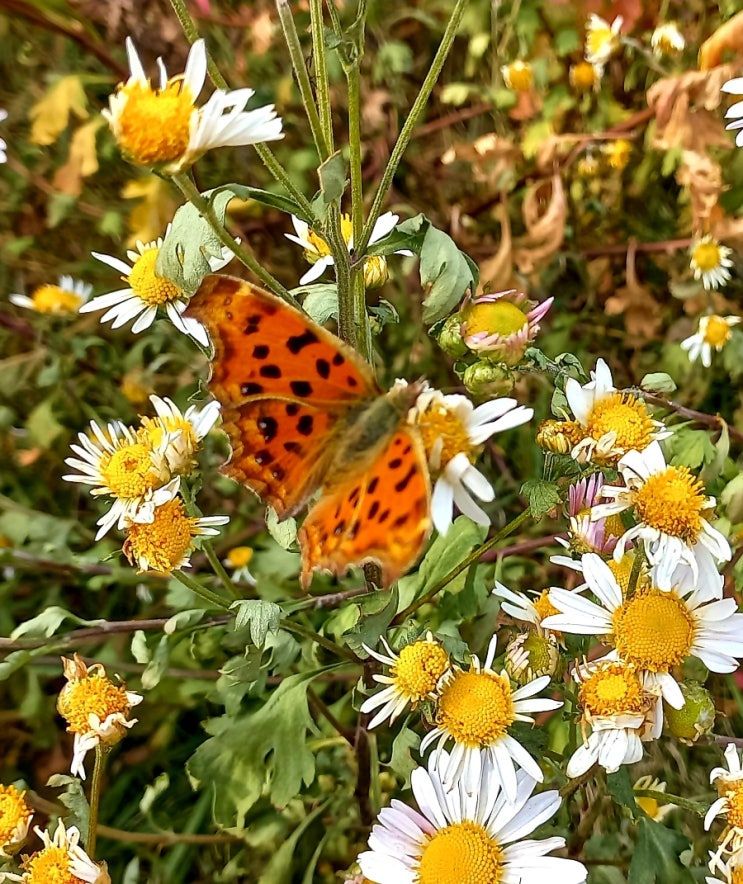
[(476, 708), (14, 812), (418, 669), (612, 690), (440, 425), (153, 290), (93, 695), (625, 415), (716, 331), (129, 472), (495, 317), (737, 875), (672, 502), (653, 629), (733, 791), (53, 299), (50, 866), (154, 127), (543, 605), (462, 853), (163, 544), (707, 255), (239, 556), (583, 76)]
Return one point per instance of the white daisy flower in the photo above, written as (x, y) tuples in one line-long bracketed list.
[(317, 251), (521, 607), (710, 261), (602, 38), (68, 296), (95, 708), (61, 858), (713, 331), (586, 534), (465, 835), (657, 812), (127, 466), (669, 505), (413, 675), (729, 805), (186, 431), (163, 127), (618, 711), (474, 709), (148, 292), (654, 629), (453, 430), (667, 39), (15, 820), (735, 111), (237, 560), (614, 422)]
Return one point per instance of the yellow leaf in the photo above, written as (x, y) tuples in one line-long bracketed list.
[(149, 217), (51, 113), (82, 161)]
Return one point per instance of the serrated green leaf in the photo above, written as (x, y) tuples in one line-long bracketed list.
[(74, 799), (691, 448), (157, 665), (48, 622), (542, 496), (263, 617), (658, 382), (655, 859), (375, 624), (320, 301), (620, 789)]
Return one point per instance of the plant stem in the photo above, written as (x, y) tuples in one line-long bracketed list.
[(322, 85), (219, 570), (406, 132), (462, 566), (191, 192), (342, 266), (201, 591), (303, 79), (95, 797), (326, 643), (215, 75)]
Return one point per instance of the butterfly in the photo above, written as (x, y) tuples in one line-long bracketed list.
[(303, 412)]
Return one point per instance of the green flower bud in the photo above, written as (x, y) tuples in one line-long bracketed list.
[(450, 337), (488, 381), (695, 718), (529, 656)]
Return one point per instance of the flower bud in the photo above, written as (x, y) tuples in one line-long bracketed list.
[(376, 273), (529, 656), (558, 437), (695, 718), (485, 380), (450, 337)]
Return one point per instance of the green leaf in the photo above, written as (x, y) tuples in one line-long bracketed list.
[(183, 620), (243, 750), (333, 181), (620, 789), (279, 868), (42, 425), (263, 617), (283, 532), (14, 661), (74, 799), (542, 496), (658, 382), (655, 859), (375, 624), (157, 665), (567, 40), (691, 448), (48, 622), (403, 760)]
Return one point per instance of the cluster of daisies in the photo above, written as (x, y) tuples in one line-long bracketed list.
[(650, 594), (140, 470), (96, 710)]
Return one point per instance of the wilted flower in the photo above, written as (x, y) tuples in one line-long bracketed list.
[(186, 431), (62, 860), (501, 325), (15, 820)]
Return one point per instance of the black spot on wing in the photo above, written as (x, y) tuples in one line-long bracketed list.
[(296, 343), (292, 447), (373, 485), (374, 509), (338, 359), (251, 389), (269, 371), (323, 368), (395, 463), (268, 427), (303, 389), (305, 425), (260, 351), (263, 457), (291, 409), (405, 481)]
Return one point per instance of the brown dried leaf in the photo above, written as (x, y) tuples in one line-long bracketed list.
[(496, 273), (51, 113), (703, 177), (156, 206), (490, 156), (641, 312), (729, 36), (82, 160), (544, 218)]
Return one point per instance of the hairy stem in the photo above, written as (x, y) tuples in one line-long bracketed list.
[(201, 591), (95, 797), (219, 570), (322, 84), (326, 643)]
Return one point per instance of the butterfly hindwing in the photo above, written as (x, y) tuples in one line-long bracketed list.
[(381, 515)]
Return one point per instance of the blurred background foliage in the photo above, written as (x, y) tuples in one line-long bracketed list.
[(590, 196)]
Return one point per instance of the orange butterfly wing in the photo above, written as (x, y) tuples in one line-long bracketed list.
[(382, 515)]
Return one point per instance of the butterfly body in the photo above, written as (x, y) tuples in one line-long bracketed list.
[(303, 412)]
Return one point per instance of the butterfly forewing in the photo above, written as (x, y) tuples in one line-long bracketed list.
[(265, 347)]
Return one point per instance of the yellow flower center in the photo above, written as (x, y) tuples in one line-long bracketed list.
[(53, 299), (154, 127), (155, 429), (733, 791), (672, 502), (716, 331), (163, 544), (93, 695), (543, 605), (239, 556), (653, 629), (707, 255), (613, 689), (625, 415), (599, 41), (153, 290), (320, 246), (622, 571), (495, 317), (14, 812), (737, 875), (462, 853), (50, 866), (418, 669), (518, 76), (583, 76), (129, 471), (617, 153), (476, 708), (440, 427), (649, 805)]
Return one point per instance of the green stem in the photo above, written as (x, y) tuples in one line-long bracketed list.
[(202, 592), (354, 144), (303, 79), (95, 798), (318, 639), (219, 570), (322, 85), (192, 194), (666, 798), (411, 122), (463, 565), (215, 75), (342, 266)]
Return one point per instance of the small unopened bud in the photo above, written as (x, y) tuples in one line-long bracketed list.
[(376, 273), (450, 337), (485, 380), (695, 718), (558, 437), (529, 656)]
